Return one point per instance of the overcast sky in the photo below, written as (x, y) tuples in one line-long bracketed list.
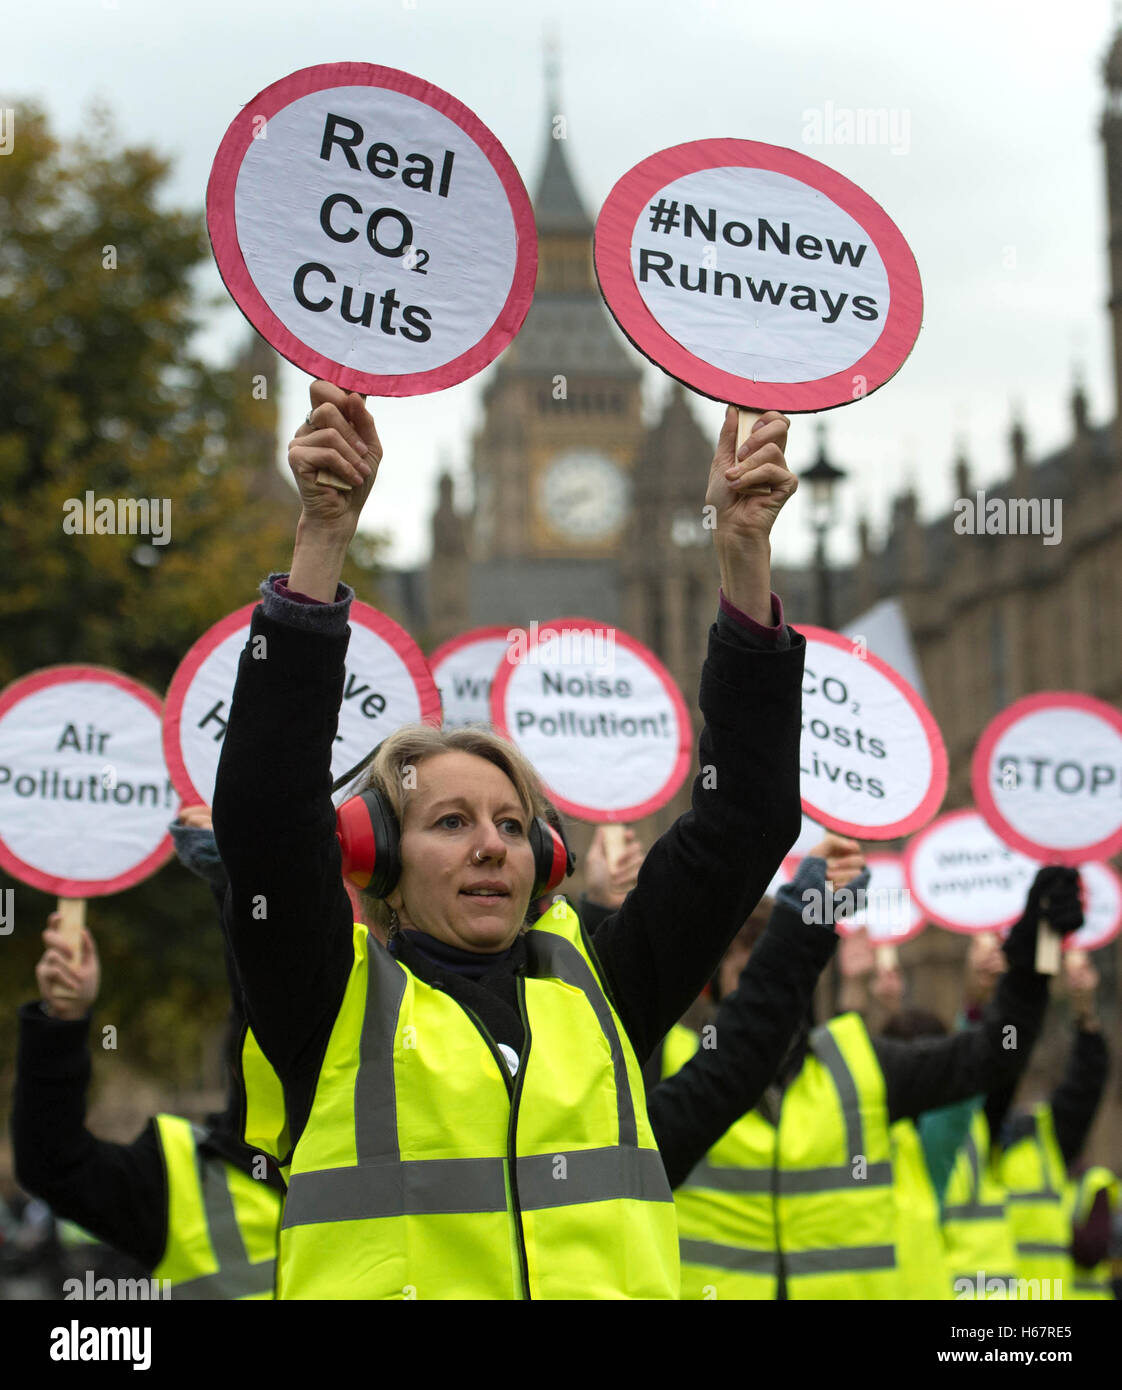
[(994, 173)]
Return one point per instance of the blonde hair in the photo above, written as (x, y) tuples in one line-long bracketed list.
[(398, 757)]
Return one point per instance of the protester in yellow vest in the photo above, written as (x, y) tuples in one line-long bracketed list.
[(1039, 1143), (795, 1200), (1091, 1202), (190, 1203), (466, 1106)]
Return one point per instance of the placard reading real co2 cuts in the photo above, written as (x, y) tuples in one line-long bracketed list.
[(387, 684), (372, 229), (85, 798)]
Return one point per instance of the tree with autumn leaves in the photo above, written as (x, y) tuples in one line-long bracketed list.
[(101, 391)]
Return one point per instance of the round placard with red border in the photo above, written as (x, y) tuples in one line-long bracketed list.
[(598, 715), (372, 229), (463, 669), (758, 276), (85, 799)]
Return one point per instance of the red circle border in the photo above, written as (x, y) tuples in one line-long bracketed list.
[(666, 680), (19, 869), (912, 850), (373, 619), (937, 789), (1068, 943), (612, 259), (980, 767), (222, 229)]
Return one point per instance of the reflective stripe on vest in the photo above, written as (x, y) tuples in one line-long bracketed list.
[(1034, 1174), (408, 1074), (758, 1208), (222, 1225), (976, 1235)]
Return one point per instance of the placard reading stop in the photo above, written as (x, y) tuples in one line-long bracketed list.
[(372, 229), (387, 683), (597, 714), (873, 761), (1047, 776), (463, 669), (85, 798), (758, 276)]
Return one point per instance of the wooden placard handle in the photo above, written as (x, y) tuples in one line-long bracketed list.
[(886, 956), (72, 914), (1049, 945), (323, 476), (612, 838), (745, 419)]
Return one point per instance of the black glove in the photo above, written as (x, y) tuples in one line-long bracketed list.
[(1054, 895)]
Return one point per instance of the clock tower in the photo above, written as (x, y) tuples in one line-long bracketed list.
[(552, 462)]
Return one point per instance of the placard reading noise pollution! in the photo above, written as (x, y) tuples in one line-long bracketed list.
[(372, 229), (85, 798), (887, 909), (463, 669), (387, 683), (964, 878), (872, 758), (1047, 776), (758, 276), (598, 715)]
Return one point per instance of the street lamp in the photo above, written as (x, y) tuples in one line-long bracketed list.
[(823, 478)]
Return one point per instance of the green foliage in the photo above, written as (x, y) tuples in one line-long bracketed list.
[(100, 391)]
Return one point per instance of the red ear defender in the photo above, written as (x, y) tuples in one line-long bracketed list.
[(366, 829), (553, 859)]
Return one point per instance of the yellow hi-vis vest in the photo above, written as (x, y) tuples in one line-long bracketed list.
[(1034, 1175), (978, 1241), (1078, 1197), (266, 1119), (222, 1224), (919, 1237), (809, 1201), (425, 1170)]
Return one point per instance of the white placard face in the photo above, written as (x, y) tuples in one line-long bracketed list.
[(964, 878), (1102, 908), (85, 797), (606, 729), (464, 678), (376, 230), (387, 684), (890, 913), (1048, 777), (872, 759), (721, 256)]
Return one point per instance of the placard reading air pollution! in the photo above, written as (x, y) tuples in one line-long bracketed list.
[(597, 714), (872, 758), (758, 276), (85, 797), (387, 683), (372, 229)]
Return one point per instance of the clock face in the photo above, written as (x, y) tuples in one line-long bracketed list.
[(583, 496)]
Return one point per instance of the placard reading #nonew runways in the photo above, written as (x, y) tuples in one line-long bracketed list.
[(372, 229), (1047, 776), (873, 761), (597, 714), (387, 684), (85, 798), (758, 276)]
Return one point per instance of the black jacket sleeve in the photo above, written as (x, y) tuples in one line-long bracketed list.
[(118, 1192), (702, 877), (929, 1073), (690, 1110), (286, 913), (1075, 1101)]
